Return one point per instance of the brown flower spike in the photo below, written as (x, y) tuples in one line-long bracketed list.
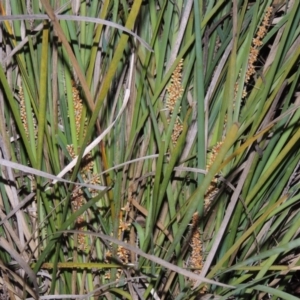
[(175, 91), (23, 114), (254, 51), (196, 260)]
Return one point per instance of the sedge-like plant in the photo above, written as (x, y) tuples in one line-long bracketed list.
[(149, 149)]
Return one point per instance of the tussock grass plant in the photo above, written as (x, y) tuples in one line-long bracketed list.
[(149, 149)]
